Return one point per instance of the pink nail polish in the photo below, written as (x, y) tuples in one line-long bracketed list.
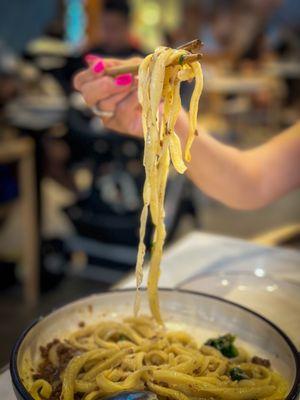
[(123, 80), (98, 67), (91, 58)]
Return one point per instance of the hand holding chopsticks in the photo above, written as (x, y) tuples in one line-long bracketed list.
[(115, 100), (192, 47)]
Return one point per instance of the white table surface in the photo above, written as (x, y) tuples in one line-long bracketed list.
[(203, 253), (201, 256)]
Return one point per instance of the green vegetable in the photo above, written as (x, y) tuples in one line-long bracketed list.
[(122, 337), (237, 374), (225, 345), (181, 59)]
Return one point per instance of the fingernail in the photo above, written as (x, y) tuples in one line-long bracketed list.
[(90, 58), (123, 80), (98, 67)]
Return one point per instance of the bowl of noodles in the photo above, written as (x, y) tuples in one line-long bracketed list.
[(207, 348)]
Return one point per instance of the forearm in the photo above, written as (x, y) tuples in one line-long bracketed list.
[(223, 172), (244, 179)]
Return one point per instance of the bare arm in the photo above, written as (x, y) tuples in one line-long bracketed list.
[(245, 179)]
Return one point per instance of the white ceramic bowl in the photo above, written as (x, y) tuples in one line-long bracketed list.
[(202, 314)]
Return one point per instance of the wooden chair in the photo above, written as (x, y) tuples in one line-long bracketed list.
[(21, 150)]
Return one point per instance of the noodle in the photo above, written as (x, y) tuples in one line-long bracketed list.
[(160, 82), (139, 353)]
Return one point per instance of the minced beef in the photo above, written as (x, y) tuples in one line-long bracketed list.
[(261, 361), (51, 373)]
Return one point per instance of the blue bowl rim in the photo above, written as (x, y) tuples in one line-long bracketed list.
[(22, 391)]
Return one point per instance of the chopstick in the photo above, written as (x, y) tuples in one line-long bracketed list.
[(133, 68), (193, 47)]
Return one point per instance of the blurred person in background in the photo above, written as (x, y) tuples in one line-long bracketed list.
[(82, 130), (114, 161), (115, 39)]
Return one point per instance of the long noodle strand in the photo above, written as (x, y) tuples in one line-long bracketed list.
[(159, 82)]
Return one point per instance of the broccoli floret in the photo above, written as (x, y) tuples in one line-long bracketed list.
[(237, 374), (225, 345), (181, 59)]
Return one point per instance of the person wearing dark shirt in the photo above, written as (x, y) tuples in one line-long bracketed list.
[(117, 161), (115, 40)]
